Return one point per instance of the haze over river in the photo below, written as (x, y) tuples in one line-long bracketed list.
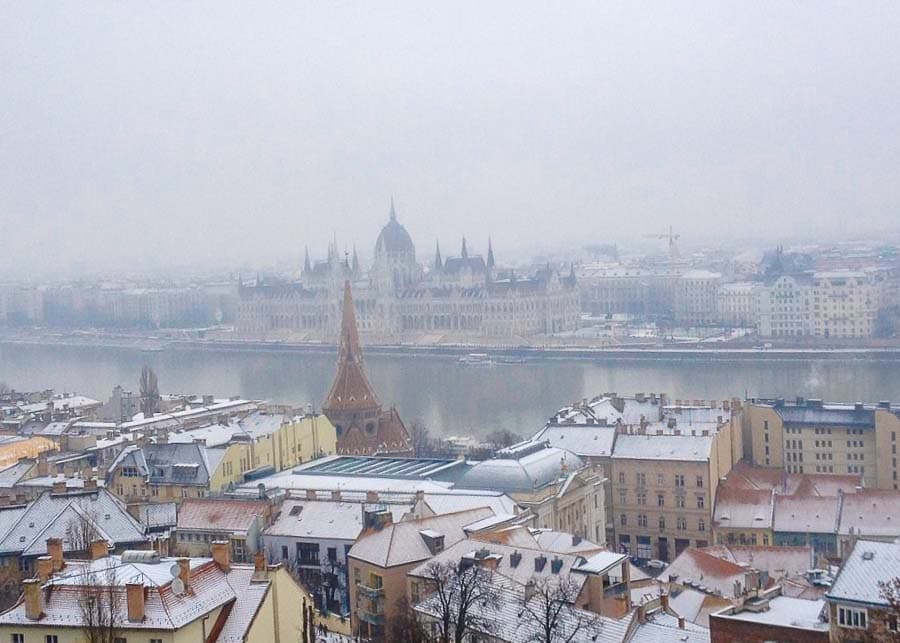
[(449, 397)]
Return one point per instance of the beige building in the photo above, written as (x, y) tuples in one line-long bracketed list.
[(240, 522), (810, 436), (695, 298), (737, 304), (844, 304), (664, 482), (160, 600), (382, 557)]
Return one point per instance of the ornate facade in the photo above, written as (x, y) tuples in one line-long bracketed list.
[(362, 426), (468, 296)]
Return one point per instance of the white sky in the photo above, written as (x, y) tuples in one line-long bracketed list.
[(171, 133)]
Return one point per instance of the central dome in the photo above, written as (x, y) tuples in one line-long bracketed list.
[(394, 239)]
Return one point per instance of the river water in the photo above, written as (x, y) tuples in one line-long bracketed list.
[(450, 398)]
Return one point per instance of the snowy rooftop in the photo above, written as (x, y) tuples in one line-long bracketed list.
[(785, 611)]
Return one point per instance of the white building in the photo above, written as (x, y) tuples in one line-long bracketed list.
[(737, 304)]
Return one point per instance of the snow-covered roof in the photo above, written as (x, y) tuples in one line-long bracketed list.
[(869, 563), (689, 448), (784, 611)]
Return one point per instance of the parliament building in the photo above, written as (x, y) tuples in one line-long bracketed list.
[(466, 296)]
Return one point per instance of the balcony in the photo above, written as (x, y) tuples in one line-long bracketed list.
[(372, 593)]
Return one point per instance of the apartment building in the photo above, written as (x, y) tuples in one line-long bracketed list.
[(664, 483), (737, 304), (811, 436), (696, 297)]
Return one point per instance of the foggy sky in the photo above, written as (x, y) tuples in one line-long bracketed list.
[(149, 134)]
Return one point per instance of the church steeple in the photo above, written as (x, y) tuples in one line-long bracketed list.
[(490, 257), (393, 212), (307, 268), (351, 391), (438, 262), (465, 253), (355, 265)]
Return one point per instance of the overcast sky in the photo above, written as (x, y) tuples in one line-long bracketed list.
[(153, 133)]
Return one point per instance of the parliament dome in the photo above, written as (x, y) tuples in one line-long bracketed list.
[(394, 239)]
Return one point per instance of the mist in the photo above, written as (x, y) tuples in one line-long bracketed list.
[(151, 135)]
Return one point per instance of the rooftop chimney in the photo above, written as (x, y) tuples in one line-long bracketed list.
[(529, 590), (539, 563), (259, 562), (44, 568), (134, 596), (59, 486), (184, 572), (90, 483), (336, 495), (55, 551), (99, 549), (311, 494), (33, 608), (221, 553)]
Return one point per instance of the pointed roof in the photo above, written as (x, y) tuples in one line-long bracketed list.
[(465, 253), (355, 263), (393, 213), (490, 257), (438, 262), (351, 389), (307, 267)]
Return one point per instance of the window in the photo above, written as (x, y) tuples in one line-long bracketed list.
[(120, 639), (701, 525), (679, 502), (682, 524), (642, 520), (17, 638), (662, 523), (701, 501), (623, 520), (621, 477), (679, 480), (642, 498), (660, 500), (660, 480), (850, 617), (699, 482), (284, 552), (308, 553), (641, 479), (51, 638)]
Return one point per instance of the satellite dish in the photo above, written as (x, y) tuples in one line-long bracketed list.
[(175, 570), (178, 586)]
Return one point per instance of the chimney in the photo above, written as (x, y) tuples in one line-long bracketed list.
[(259, 562), (44, 568), (556, 565), (529, 590), (55, 551), (90, 483), (680, 622), (336, 495), (184, 572), (221, 553), (576, 540), (311, 494), (99, 549), (43, 468), (134, 596), (59, 486), (33, 608), (664, 600), (539, 563)]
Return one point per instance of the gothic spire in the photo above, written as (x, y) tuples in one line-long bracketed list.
[(355, 264), (465, 253), (438, 262), (393, 212), (490, 257), (351, 390), (307, 268)]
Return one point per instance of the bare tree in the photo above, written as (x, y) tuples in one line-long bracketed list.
[(420, 437), (550, 615), (462, 599), (81, 532), (405, 626), (502, 438), (149, 392), (100, 603)]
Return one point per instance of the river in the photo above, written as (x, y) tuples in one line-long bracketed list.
[(450, 398)]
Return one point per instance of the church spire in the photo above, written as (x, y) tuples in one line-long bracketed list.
[(351, 390), (490, 257), (355, 265), (438, 262), (393, 212), (465, 253), (307, 268)]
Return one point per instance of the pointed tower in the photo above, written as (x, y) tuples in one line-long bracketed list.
[(464, 253), (490, 257), (438, 265), (307, 267), (361, 426), (393, 212), (355, 264)]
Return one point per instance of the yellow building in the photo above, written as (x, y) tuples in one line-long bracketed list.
[(160, 600), (19, 448), (664, 480), (810, 436)]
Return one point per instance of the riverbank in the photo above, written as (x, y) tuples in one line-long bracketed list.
[(694, 352)]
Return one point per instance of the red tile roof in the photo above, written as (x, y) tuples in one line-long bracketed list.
[(203, 514)]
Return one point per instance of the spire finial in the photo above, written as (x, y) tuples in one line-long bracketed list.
[(438, 261), (490, 257), (465, 253), (307, 267), (393, 212)]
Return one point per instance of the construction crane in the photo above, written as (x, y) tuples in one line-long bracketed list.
[(672, 237)]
